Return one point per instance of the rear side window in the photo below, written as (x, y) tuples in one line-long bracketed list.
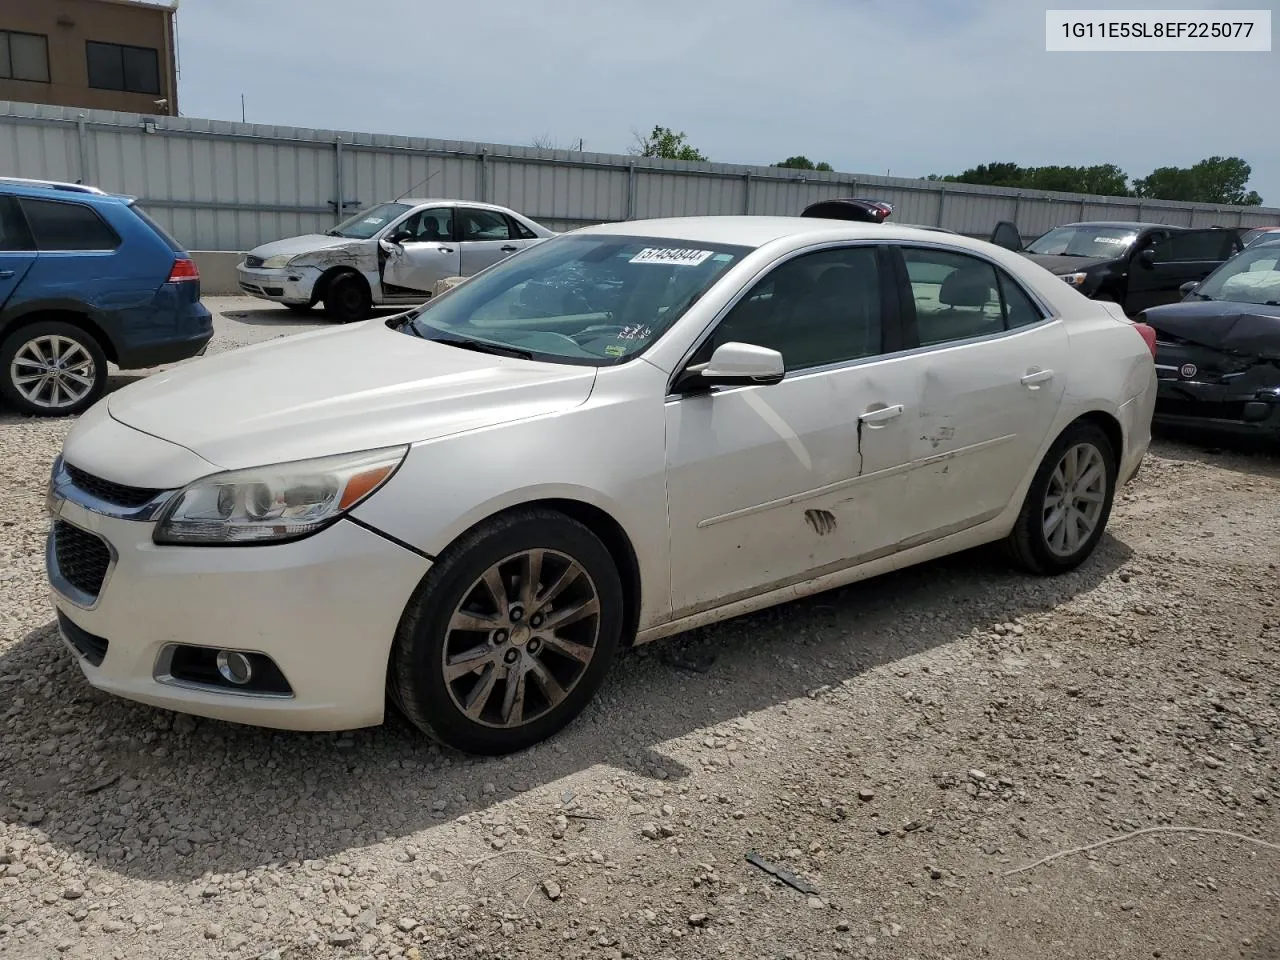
[(160, 231), (62, 225), (958, 297), (13, 228)]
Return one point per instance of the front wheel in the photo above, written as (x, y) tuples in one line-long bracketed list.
[(510, 634), (52, 369), (347, 299), (1068, 503)]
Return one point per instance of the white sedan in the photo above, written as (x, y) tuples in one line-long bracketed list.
[(620, 434)]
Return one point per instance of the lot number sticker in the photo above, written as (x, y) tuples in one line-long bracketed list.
[(672, 256)]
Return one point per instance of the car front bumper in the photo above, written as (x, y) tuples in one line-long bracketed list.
[(323, 609), (1218, 408), (284, 285)]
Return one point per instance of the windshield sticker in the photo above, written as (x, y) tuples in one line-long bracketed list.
[(615, 351), (376, 221), (674, 256), (1119, 241)]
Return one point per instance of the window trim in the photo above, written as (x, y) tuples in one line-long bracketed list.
[(889, 312), (70, 203), (462, 211), (48, 67), (1047, 313), (124, 88)]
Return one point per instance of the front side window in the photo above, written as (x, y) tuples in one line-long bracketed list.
[(958, 297), (1085, 241), (483, 225), (115, 66), (63, 225), (366, 223), (589, 299), (1253, 276), (24, 56), (433, 225), (816, 309)]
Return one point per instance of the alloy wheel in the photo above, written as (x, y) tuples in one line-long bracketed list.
[(52, 371), (521, 639), (1074, 500)]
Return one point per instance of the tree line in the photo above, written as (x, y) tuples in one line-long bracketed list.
[(1215, 179)]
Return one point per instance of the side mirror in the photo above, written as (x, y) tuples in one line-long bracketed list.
[(734, 365), (1147, 256), (397, 237), (1189, 287), (1007, 235)]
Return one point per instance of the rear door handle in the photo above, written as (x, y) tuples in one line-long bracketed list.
[(882, 415), (6, 274), (445, 249), (510, 249), (1037, 377)]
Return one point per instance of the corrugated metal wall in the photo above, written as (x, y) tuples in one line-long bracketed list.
[(231, 186)]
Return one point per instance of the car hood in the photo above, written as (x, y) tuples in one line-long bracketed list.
[(308, 243), (357, 387), (1244, 328), (1062, 265)]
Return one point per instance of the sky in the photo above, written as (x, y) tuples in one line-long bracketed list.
[(908, 87)]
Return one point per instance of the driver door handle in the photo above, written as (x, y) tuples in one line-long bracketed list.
[(1037, 377), (882, 415), (445, 249), (510, 248), (6, 274)]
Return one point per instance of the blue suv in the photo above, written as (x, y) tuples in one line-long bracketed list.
[(86, 277)]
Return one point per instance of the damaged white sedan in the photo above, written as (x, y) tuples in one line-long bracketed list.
[(392, 254), (627, 432)]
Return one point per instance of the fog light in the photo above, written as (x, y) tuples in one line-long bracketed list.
[(234, 667)]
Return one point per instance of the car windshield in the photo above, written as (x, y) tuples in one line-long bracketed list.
[(368, 222), (592, 299), (1251, 276), (1085, 241)]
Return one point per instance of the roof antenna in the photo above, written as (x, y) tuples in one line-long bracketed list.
[(416, 186)]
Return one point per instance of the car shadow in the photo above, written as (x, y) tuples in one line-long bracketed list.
[(182, 797), (1250, 455)]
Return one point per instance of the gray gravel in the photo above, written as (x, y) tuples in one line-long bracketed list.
[(900, 745)]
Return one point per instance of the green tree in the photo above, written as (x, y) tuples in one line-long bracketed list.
[(1104, 179), (665, 143), (804, 163), (1212, 180)]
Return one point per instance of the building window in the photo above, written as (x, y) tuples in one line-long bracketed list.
[(24, 56), (114, 66)]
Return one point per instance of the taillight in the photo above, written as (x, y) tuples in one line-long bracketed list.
[(1148, 334), (184, 270)]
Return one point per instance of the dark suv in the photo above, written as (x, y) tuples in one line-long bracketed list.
[(85, 278), (1136, 265)]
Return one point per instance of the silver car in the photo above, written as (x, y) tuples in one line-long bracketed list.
[(392, 254)]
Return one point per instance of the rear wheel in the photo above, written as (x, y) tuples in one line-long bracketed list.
[(52, 369), (510, 635), (1068, 503), (347, 298)]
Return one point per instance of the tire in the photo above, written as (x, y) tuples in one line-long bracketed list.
[(347, 298), (299, 308), (508, 718), (1028, 545), (71, 388)]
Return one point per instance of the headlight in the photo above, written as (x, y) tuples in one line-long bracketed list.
[(280, 262), (269, 504), (1075, 279)]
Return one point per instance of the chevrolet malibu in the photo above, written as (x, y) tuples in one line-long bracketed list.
[(619, 434)]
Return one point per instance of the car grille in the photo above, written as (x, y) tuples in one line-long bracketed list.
[(253, 261), (82, 557), (92, 648), (116, 494)]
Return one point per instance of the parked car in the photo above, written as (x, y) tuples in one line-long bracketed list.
[(1136, 265), (629, 431), (859, 210), (1259, 235), (391, 254), (87, 277), (1218, 351)]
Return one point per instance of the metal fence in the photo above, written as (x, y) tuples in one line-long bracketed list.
[(229, 186)]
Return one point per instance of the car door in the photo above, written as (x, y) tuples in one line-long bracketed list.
[(421, 250), (988, 380), (486, 237), (1158, 270), (770, 485), (17, 250)]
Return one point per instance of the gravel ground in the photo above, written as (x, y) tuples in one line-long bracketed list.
[(899, 745)]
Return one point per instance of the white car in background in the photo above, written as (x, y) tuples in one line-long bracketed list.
[(392, 254), (630, 431)]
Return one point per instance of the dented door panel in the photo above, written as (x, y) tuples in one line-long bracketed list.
[(418, 266), (768, 484), (984, 411)]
